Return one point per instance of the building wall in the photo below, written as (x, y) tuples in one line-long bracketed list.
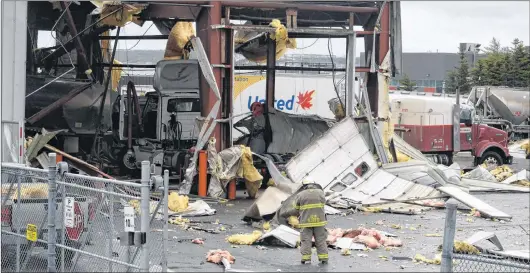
[(428, 70)]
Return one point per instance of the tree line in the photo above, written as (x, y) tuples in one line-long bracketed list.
[(501, 66)]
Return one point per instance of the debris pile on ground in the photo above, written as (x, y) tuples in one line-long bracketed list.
[(501, 173), (177, 203), (370, 238), (216, 256), (465, 248), (228, 164), (198, 241), (179, 221), (422, 259), (245, 239)]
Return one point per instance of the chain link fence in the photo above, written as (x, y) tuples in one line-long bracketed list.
[(473, 259), (101, 225), (24, 218), (488, 263)]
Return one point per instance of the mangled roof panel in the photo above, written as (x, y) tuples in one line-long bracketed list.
[(341, 162), (333, 156)]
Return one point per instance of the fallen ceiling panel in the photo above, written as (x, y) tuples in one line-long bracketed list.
[(479, 185), (473, 202), (402, 146), (341, 162)]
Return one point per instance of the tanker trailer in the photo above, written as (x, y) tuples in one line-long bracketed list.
[(504, 108), (69, 105)]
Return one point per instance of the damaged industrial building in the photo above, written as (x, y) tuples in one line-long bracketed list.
[(180, 148)]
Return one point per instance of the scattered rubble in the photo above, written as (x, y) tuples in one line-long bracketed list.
[(245, 239), (216, 256), (422, 259), (282, 235)]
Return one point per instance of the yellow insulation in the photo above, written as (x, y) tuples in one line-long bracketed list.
[(116, 71), (177, 203), (293, 222), (283, 42), (244, 239), (122, 16), (502, 172), (420, 258), (28, 191), (401, 157), (247, 170), (180, 35), (463, 247)]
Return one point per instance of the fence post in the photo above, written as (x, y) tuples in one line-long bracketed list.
[(62, 168), (144, 215), (16, 222), (52, 193), (110, 235), (449, 236), (166, 224)]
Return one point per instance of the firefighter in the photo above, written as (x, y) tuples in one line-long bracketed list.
[(309, 203)]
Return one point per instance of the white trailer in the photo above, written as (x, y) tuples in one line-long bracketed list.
[(294, 93), (14, 22)]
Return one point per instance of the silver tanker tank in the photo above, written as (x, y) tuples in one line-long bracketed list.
[(511, 104)]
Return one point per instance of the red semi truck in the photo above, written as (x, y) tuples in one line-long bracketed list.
[(428, 123)]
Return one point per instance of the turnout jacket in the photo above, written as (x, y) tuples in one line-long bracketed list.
[(310, 206)]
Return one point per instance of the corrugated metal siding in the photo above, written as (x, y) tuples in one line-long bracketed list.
[(337, 154)]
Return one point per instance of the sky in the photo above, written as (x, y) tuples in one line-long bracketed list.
[(427, 26)]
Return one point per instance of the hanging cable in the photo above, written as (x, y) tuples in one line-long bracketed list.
[(333, 73), (62, 45)]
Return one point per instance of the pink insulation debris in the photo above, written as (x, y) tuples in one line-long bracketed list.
[(371, 238), (367, 240), (371, 232), (333, 235), (216, 256), (387, 241)]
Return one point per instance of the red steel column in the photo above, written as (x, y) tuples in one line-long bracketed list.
[(211, 40), (382, 42), (384, 36)]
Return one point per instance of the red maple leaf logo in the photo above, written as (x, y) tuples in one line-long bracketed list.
[(304, 99)]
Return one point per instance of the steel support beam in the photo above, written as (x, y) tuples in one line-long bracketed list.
[(384, 37), (350, 72), (81, 55), (136, 37), (246, 67), (310, 7), (317, 32), (228, 83), (58, 103), (211, 40), (271, 75)]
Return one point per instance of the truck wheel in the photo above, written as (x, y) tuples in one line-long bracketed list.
[(491, 157)]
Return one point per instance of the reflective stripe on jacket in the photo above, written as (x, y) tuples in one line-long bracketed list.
[(310, 205)]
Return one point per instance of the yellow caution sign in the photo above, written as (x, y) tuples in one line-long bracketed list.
[(31, 232)]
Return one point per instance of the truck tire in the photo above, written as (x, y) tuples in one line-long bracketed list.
[(491, 157)]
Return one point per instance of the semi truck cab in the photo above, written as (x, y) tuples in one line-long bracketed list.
[(489, 144), (427, 124), (163, 122)]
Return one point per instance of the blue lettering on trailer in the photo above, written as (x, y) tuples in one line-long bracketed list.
[(280, 104)]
